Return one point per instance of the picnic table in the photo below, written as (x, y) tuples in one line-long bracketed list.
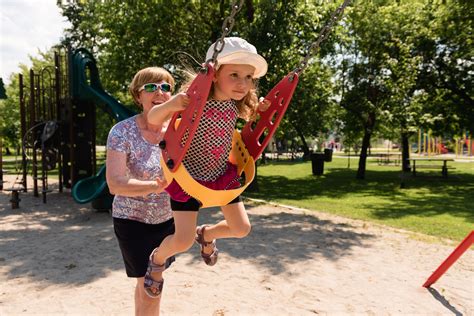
[(426, 163), (387, 158)]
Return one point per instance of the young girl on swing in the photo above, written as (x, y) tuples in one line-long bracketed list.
[(232, 95)]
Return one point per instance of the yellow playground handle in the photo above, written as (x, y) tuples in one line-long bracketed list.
[(208, 197)]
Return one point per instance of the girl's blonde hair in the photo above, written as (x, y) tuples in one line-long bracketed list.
[(247, 107), (148, 75)]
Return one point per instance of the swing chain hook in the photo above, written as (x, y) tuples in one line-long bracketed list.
[(226, 28), (323, 34)]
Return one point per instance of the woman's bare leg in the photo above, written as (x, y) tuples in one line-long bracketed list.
[(145, 305)]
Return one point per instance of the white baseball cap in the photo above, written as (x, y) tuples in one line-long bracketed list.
[(239, 51)]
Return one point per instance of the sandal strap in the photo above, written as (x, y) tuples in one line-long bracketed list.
[(153, 267), (215, 252), (200, 236), (156, 268), (149, 282), (209, 259)]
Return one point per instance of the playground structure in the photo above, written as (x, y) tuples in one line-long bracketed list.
[(58, 128), (429, 145)]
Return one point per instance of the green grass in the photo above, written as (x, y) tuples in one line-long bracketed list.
[(428, 204), (12, 165)]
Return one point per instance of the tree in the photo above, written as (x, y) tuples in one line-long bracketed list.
[(10, 115), (3, 94), (388, 56), (382, 71), (284, 32), (446, 79), (129, 35)]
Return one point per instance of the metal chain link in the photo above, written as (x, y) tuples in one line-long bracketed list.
[(323, 34), (226, 28)]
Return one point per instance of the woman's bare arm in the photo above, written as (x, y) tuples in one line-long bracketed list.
[(121, 184)]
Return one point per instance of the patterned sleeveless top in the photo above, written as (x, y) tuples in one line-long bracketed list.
[(143, 163), (209, 151)]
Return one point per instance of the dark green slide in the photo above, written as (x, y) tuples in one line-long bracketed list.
[(93, 189), (86, 86)]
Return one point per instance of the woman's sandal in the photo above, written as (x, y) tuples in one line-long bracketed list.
[(151, 284), (209, 259)]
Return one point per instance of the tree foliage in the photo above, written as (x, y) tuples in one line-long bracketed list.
[(403, 72), (446, 79), (284, 33), (130, 35), (126, 36), (389, 68)]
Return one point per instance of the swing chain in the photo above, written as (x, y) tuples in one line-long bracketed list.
[(226, 28), (323, 34)]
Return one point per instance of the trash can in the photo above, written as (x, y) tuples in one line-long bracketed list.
[(328, 154), (317, 163)]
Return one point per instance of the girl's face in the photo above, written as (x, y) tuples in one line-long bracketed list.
[(148, 98), (233, 82)]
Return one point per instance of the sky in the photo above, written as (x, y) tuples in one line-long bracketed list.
[(25, 27)]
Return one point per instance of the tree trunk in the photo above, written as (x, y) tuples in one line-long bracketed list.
[(369, 125), (363, 156), (405, 152), (250, 10), (303, 141)]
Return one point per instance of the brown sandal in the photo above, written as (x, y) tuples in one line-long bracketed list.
[(209, 259)]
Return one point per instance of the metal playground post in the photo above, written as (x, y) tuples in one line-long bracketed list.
[(463, 246)]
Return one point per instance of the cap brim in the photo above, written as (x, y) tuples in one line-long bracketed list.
[(243, 58)]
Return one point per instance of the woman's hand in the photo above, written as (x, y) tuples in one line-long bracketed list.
[(263, 104), (162, 184), (119, 180)]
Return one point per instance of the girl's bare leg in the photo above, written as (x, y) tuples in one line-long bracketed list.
[(180, 241), (235, 225)]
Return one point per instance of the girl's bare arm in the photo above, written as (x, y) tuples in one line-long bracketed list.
[(160, 113)]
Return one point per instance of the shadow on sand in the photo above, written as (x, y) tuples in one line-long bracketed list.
[(46, 242)]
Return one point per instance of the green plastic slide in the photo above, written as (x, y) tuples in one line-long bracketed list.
[(84, 77)]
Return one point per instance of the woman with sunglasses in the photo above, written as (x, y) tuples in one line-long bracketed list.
[(141, 209)]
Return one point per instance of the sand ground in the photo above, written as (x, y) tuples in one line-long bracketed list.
[(61, 258)]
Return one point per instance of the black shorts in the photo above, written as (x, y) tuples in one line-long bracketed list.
[(137, 240), (193, 205)]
